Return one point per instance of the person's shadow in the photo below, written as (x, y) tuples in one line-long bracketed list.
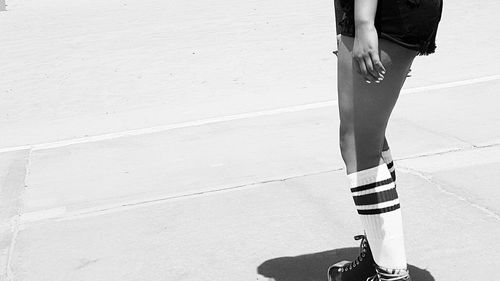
[(313, 267)]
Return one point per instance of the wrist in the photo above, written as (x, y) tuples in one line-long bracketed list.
[(363, 25)]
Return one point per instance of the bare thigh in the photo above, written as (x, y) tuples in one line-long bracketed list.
[(365, 108)]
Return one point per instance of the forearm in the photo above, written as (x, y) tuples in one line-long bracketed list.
[(364, 13), (365, 51)]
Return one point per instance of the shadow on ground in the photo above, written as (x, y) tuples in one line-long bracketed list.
[(313, 267)]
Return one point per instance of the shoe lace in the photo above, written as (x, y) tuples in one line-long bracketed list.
[(362, 255)]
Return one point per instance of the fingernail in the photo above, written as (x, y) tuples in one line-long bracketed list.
[(378, 81), (368, 82), (380, 78), (383, 72)]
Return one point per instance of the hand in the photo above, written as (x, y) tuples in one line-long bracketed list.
[(365, 54)]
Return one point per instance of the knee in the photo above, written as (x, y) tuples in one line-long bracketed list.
[(360, 149)]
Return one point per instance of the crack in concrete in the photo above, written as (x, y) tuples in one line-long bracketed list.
[(15, 223), (453, 150), (9, 274), (144, 203), (442, 189)]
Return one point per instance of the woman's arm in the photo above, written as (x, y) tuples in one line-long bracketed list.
[(364, 12), (365, 50)]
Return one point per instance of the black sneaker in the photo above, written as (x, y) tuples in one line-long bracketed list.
[(361, 268), (385, 274)]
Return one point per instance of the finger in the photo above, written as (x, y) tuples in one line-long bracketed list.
[(359, 65), (360, 62), (377, 64), (372, 73), (364, 72), (356, 66)]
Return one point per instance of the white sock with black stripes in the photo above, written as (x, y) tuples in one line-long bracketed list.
[(377, 203), (387, 157)]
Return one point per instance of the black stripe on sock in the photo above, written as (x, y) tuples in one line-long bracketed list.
[(375, 198), (390, 165), (371, 185), (393, 176), (379, 211)]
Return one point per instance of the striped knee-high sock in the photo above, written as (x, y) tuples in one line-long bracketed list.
[(378, 205), (387, 157)]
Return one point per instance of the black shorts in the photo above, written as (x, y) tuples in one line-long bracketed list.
[(412, 24)]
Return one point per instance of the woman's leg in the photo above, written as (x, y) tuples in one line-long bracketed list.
[(365, 108), (387, 157), (385, 146), (364, 112)]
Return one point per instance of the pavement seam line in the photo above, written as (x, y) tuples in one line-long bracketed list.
[(60, 214), (453, 84), (164, 128), (240, 116), (452, 150), (443, 190), (15, 224), (90, 212)]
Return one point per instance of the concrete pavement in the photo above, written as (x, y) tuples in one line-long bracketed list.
[(285, 230), (269, 199), (233, 172)]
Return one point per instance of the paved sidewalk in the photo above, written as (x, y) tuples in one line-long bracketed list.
[(271, 201), (235, 178), (287, 230)]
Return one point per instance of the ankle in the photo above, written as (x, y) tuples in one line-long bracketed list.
[(387, 274), (393, 270)]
